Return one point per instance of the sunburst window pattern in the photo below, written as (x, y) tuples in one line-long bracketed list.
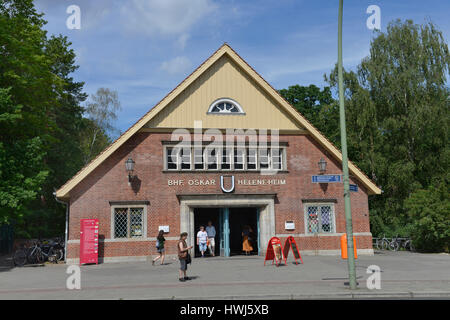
[(225, 106)]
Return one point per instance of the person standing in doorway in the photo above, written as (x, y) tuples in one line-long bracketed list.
[(246, 245), (202, 238), (160, 247), (211, 231), (183, 251)]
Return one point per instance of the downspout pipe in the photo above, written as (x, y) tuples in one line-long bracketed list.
[(66, 232)]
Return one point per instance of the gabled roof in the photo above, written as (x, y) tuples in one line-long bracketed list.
[(225, 49)]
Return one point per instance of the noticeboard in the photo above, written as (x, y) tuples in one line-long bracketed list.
[(89, 241), (290, 243), (274, 251)]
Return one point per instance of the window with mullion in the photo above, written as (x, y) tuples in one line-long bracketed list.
[(263, 155), (252, 163), (128, 222), (212, 162), (172, 158), (226, 158), (185, 158), (199, 160), (320, 219), (238, 159), (277, 158)]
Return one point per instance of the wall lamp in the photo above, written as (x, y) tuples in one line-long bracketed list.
[(129, 166), (322, 165)]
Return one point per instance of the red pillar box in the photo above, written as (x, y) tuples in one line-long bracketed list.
[(89, 241), (344, 254)]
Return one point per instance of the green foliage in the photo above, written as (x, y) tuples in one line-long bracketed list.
[(42, 141), (21, 169), (397, 115), (429, 209)]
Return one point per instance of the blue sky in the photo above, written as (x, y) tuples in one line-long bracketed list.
[(144, 48)]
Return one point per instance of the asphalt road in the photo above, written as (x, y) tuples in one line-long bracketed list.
[(404, 275)]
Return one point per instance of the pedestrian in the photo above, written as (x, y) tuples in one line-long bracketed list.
[(160, 247), (246, 245), (183, 251), (202, 238), (211, 231)]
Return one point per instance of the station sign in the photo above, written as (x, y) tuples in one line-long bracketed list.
[(326, 178), (89, 241), (354, 187)]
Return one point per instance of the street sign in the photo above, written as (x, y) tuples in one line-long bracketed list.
[(326, 178), (354, 187)]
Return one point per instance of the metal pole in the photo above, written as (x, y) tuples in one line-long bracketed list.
[(348, 211), (66, 231)]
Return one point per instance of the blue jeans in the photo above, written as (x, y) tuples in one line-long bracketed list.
[(202, 246)]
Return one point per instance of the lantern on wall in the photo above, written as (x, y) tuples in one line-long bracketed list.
[(129, 166), (322, 165)]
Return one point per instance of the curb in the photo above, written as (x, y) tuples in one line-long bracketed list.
[(384, 295)]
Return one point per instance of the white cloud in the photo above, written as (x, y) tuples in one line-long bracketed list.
[(181, 41), (164, 17), (176, 65)]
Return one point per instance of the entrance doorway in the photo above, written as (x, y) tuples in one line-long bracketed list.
[(201, 218), (240, 219), (229, 224)]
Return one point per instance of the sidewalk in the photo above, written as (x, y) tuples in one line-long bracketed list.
[(404, 275)]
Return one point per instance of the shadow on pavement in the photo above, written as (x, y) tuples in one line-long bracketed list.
[(6, 262)]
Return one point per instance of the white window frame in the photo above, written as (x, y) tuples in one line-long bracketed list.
[(202, 149), (230, 157), (219, 158), (319, 204), (226, 100), (243, 151), (206, 157), (166, 154), (180, 158), (247, 152), (128, 207)]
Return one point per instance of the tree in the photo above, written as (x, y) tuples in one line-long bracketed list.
[(429, 209), (101, 111), (397, 109), (21, 172), (309, 101)]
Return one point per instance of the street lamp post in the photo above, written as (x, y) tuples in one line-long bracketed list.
[(348, 212)]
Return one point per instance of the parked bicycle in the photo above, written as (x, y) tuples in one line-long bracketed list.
[(398, 242), (393, 244), (40, 252)]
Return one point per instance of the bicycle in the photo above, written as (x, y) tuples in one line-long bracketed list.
[(20, 256), (39, 253), (383, 243)]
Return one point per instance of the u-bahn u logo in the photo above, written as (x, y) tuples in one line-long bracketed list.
[(231, 189)]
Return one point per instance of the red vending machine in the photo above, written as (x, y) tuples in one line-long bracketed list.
[(89, 241)]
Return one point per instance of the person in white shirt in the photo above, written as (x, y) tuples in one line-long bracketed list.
[(211, 231), (202, 237)]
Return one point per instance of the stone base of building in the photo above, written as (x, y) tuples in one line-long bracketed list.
[(171, 257)]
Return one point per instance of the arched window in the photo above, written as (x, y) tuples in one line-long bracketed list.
[(225, 106)]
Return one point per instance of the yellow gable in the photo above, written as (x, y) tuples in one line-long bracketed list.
[(224, 79), (223, 75)]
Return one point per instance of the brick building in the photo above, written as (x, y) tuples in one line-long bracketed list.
[(260, 172)]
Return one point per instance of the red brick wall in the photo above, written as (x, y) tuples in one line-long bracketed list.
[(109, 182)]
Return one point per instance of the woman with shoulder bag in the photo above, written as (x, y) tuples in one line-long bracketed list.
[(183, 252), (160, 247)]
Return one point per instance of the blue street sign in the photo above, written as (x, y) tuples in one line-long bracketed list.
[(326, 178), (354, 187)]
